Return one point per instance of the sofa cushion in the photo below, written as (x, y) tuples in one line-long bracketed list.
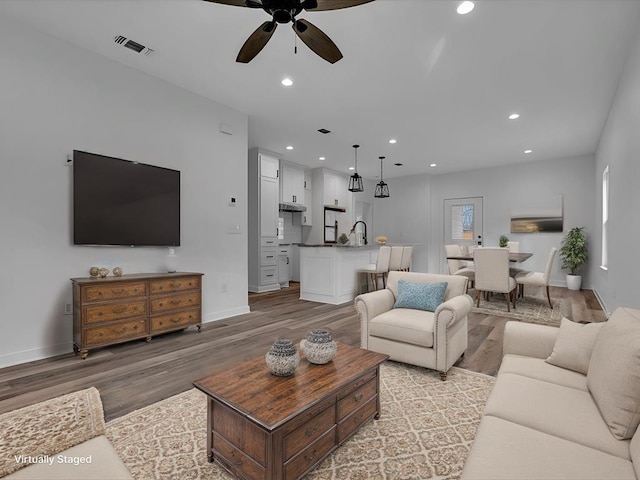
[(634, 451), (539, 369), (420, 296), (574, 345), (95, 459), (614, 372), (49, 427), (561, 411), (404, 325), (504, 450)]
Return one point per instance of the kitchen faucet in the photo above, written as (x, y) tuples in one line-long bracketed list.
[(353, 229)]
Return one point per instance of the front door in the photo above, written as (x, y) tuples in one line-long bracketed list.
[(463, 221)]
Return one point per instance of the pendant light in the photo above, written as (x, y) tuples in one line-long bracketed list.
[(355, 182), (382, 189)]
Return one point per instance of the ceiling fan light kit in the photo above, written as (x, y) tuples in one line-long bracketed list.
[(355, 181), (285, 11)]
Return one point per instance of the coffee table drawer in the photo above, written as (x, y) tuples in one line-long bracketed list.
[(356, 399), (354, 421), (236, 461), (305, 434), (302, 462)]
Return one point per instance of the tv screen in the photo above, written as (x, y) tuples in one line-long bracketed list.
[(120, 202)]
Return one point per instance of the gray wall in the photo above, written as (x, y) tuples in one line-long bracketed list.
[(414, 212), (619, 148), (55, 98)]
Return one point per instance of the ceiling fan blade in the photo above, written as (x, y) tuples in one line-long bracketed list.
[(317, 40), (320, 5), (239, 3), (256, 42)]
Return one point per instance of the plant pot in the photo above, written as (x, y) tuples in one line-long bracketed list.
[(574, 282)]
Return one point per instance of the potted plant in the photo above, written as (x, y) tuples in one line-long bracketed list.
[(574, 254), (503, 241)]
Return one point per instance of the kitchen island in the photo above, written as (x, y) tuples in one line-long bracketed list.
[(328, 272)]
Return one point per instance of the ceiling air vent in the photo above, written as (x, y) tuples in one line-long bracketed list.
[(132, 45), (324, 130)]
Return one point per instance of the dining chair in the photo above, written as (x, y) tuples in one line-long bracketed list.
[(458, 267), (514, 247), (395, 261), (492, 274), (379, 269), (538, 279), (407, 253)]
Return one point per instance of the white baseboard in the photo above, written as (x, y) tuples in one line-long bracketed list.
[(222, 314), (24, 356), (601, 302)]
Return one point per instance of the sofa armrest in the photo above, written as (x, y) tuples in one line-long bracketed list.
[(455, 308), (529, 339), (369, 306)]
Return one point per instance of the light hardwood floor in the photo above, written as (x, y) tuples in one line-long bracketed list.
[(136, 374)]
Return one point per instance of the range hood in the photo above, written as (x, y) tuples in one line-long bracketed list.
[(292, 207)]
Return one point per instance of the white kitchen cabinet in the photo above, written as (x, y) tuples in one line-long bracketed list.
[(284, 265), (336, 190), (292, 183), (306, 217), (264, 197)]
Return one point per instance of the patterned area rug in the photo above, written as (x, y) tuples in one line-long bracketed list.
[(531, 309), (424, 432)]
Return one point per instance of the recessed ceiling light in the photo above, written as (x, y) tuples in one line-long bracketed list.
[(433, 165), (465, 7), (289, 147), (352, 168), (287, 82), (321, 158), (393, 140), (513, 116), (528, 151)]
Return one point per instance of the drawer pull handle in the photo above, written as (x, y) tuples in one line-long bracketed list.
[(357, 398), (270, 275), (358, 419), (310, 433), (176, 285), (310, 457), (119, 310), (175, 302), (236, 461), (176, 320), (269, 256), (122, 330), (117, 292)]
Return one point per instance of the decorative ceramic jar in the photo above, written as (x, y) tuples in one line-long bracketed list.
[(319, 346), (282, 358), (104, 272), (94, 272), (117, 272)]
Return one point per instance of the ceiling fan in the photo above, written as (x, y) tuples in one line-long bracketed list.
[(285, 11)]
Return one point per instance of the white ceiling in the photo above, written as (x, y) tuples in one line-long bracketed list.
[(441, 83)]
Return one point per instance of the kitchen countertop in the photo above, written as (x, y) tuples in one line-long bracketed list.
[(336, 245)]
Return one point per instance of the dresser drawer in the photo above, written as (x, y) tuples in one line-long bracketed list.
[(239, 463), (175, 320), (171, 285), (116, 332), (113, 311), (299, 464), (175, 302), (356, 399), (354, 421), (268, 256), (116, 291), (305, 434)]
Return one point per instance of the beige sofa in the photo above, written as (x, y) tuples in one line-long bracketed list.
[(431, 339), (59, 439), (566, 404)]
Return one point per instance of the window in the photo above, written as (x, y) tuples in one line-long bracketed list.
[(462, 222), (605, 218)]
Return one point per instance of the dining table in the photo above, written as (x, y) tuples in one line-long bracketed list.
[(516, 257)]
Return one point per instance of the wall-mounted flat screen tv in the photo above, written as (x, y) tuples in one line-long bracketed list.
[(120, 202)]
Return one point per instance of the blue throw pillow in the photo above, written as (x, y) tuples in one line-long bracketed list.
[(421, 296)]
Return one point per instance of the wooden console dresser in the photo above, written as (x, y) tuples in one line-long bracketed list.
[(263, 427), (113, 310)]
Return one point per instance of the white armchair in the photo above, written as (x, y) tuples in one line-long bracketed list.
[(427, 339)]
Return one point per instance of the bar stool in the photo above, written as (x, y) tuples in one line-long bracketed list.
[(380, 269), (407, 253)]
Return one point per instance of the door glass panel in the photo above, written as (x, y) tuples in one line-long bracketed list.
[(462, 220)]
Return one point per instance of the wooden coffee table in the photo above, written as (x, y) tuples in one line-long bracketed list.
[(264, 427)]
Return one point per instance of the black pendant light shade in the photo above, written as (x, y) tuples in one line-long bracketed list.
[(355, 182), (382, 189)]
